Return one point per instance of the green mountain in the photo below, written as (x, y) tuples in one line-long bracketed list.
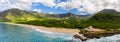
[(105, 19), (65, 15), (110, 11), (67, 20), (106, 14), (17, 14)]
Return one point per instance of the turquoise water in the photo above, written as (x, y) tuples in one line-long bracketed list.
[(14, 33)]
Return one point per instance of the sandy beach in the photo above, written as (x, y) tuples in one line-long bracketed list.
[(51, 29)]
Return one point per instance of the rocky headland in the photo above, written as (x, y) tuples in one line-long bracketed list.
[(90, 33)]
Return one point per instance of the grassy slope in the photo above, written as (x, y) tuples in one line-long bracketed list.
[(100, 20), (50, 22), (104, 21), (17, 18)]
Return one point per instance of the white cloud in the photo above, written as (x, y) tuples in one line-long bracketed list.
[(50, 13), (20, 4), (71, 4), (81, 10), (91, 6), (37, 10), (23, 4), (49, 3)]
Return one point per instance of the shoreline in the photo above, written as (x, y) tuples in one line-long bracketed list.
[(91, 33), (49, 29), (76, 33)]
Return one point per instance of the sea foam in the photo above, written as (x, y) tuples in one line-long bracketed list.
[(115, 38), (54, 34)]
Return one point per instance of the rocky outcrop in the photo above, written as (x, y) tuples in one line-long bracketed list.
[(91, 29), (90, 33), (80, 36), (98, 35)]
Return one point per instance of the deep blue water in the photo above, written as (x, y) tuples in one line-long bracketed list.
[(14, 33)]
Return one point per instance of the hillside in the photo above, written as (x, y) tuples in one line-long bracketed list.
[(11, 14), (17, 15), (105, 19), (109, 11), (67, 20)]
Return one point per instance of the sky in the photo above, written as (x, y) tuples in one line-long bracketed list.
[(81, 7)]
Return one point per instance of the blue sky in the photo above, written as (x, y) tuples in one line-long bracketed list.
[(46, 9), (81, 7), (59, 10)]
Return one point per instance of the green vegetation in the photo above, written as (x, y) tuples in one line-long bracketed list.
[(100, 20), (103, 20), (66, 23), (22, 18)]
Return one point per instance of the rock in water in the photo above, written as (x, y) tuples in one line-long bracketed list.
[(80, 36)]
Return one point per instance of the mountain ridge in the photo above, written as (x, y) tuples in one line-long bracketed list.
[(103, 19), (17, 12)]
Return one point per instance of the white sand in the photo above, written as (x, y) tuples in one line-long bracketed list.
[(52, 29)]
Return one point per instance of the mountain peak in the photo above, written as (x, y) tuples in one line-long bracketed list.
[(13, 9), (111, 11), (69, 13)]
